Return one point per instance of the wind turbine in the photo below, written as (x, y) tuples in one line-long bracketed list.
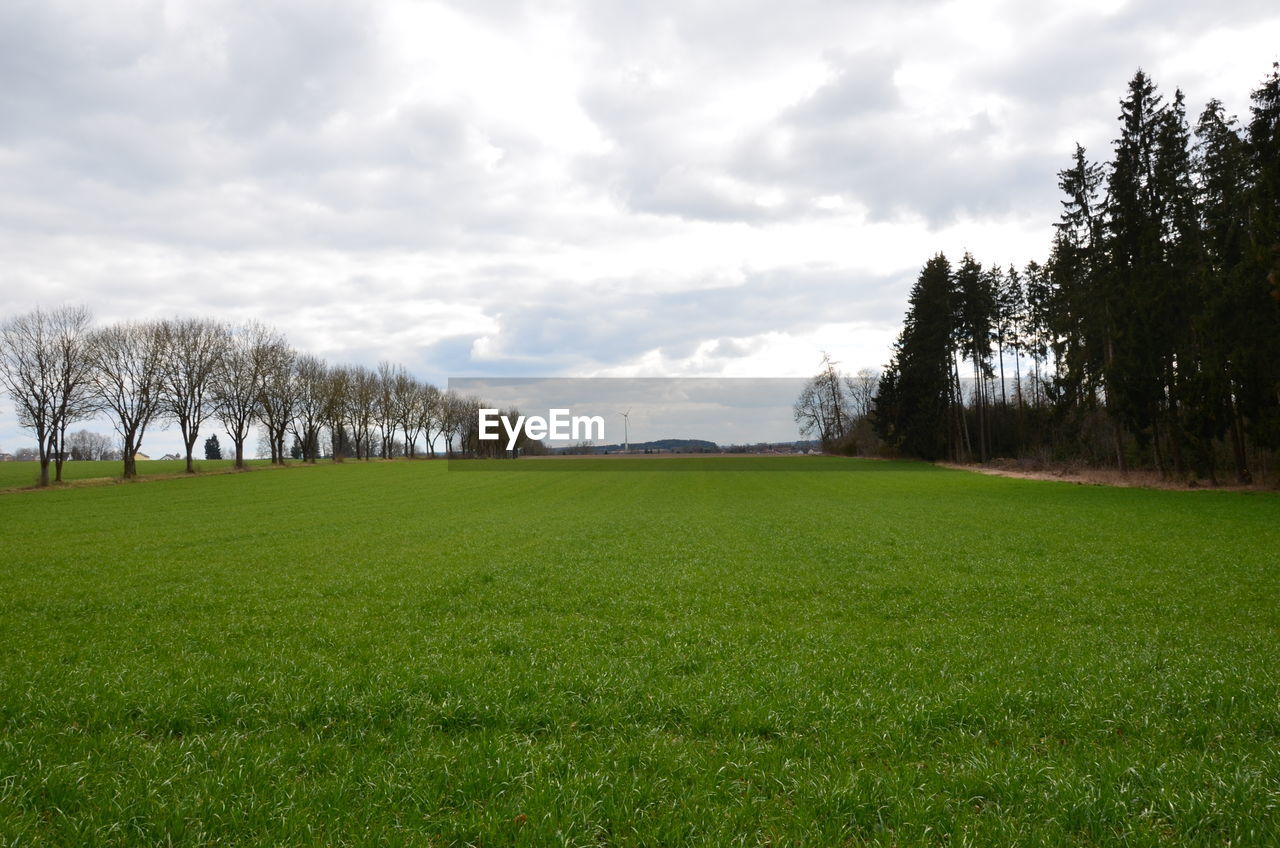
[(626, 437)]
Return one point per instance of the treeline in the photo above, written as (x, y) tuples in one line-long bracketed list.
[(837, 409), (1149, 338), (60, 369)]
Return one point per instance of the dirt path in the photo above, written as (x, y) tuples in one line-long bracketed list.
[(1102, 477)]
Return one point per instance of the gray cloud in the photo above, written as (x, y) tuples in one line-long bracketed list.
[(603, 326), (513, 186)]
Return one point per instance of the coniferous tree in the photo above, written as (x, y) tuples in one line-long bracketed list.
[(1158, 309), (1175, 305), (1039, 293), (974, 303), (1079, 314), (914, 405), (1219, 165), (1260, 290), (1012, 301), (999, 325), (1134, 369)]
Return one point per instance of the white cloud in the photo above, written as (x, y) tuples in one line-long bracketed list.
[(569, 187)]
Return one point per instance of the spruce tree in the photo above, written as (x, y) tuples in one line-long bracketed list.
[(1210, 409), (1134, 369), (974, 303), (1175, 305), (1012, 301), (1260, 280), (914, 408), (1036, 342), (1080, 320)]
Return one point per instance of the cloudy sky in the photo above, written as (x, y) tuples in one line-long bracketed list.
[(497, 187)]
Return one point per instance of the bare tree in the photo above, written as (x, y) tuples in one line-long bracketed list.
[(26, 369), (384, 407), (238, 385), (84, 445), (337, 386), (309, 375), (361, 407), (406, 395), (47, 370), (429, 408), (808, 412), (195, 348), (278, 395), (128, 361), (822, 407), (454, 411), (461, 422), (74, 383), (862, 388)]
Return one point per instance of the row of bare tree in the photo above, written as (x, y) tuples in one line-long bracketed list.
[(60, 369)]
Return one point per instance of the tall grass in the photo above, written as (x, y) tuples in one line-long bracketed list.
[(391, 653)]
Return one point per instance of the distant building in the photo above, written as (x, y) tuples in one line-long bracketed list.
[(171, 456), (140, 455), (6, 457)]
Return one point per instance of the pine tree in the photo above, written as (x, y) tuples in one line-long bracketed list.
[(1159, 306), (914, 408), (1174, 304), (974, 305), (1135, 361), (1259, 385), (1012, 301), (1079, 311), (1039, 293), (1218, 169), (212, 450), (999, 324)]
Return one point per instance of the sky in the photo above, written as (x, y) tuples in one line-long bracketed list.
[(636, 410), (567, 188)]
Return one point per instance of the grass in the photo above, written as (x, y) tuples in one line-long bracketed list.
[(21, 475), (392, 653)]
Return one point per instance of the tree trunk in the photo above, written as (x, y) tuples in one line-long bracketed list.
[(1155, 445), (1237, 447), (963, 420), (1035, 381), (979, 402), (1206, 445), (1017, 377), (1175, 444), (1004, 398), (130, 458), (1118, 434)]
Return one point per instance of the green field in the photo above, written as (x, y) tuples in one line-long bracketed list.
[(837, 652), (18, 475)]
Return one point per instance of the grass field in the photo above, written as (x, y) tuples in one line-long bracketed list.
[(391, 653), (18, 475)]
